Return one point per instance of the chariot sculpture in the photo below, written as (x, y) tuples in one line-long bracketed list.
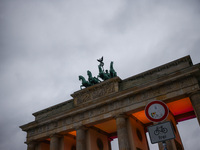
[(103, 75)]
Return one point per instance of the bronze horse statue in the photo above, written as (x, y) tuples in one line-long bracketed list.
[(92, 80), (113, 73), (84, 82)]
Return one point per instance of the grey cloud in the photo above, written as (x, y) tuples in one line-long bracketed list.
[(45, 45)]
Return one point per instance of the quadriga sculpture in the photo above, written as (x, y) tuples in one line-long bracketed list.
[(103, 74)]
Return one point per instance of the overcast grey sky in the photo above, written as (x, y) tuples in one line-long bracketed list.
[(46, 44)]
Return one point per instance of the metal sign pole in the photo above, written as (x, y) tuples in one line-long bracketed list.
[(164, 145)]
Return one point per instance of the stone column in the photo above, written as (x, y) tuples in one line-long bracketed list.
[(81, 138), (122, 133), (31, 145), (54, 142), (195, 99)]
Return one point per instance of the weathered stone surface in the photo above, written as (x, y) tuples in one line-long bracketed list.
[(97, 91), (108, 108), (51, 111), (195, 99), (81, 139), (122, 133), (54, 142), (103, 101), (31, 146), (156, 73)]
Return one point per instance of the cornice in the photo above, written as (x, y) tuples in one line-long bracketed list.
[(115, 97), (160, 71), (52, 108), (70, 103)]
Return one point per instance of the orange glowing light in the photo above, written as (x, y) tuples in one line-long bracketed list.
[(176, 107), (108, 126), (72, 133), (140, 115), (180, 106)]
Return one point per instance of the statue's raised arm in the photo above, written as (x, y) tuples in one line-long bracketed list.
[(101, 62)]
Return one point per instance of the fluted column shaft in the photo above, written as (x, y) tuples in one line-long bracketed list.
[(54, 142), (80, 139), (31, 146), (122, 133), (195, 99)]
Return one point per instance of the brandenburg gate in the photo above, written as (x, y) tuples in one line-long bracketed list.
[(114, 108)]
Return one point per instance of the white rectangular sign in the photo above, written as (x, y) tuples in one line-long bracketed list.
[(161, 132)]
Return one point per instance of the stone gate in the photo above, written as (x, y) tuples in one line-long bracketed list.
[(115, 108)]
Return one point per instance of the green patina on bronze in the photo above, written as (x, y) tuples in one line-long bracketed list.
[(84, 82), (92, 80), (103, 75)]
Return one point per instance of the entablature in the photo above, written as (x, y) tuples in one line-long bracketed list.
[(104, 100)]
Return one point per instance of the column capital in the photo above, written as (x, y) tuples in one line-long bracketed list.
[(195, 99), (194, 93), (55, 135), (31, 142), (122, 115), (81, 127), (31, 145)]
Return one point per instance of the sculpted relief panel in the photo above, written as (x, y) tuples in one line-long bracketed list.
[(98, 91)]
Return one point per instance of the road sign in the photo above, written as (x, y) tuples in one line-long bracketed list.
[(156, 111), (161, 132)]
